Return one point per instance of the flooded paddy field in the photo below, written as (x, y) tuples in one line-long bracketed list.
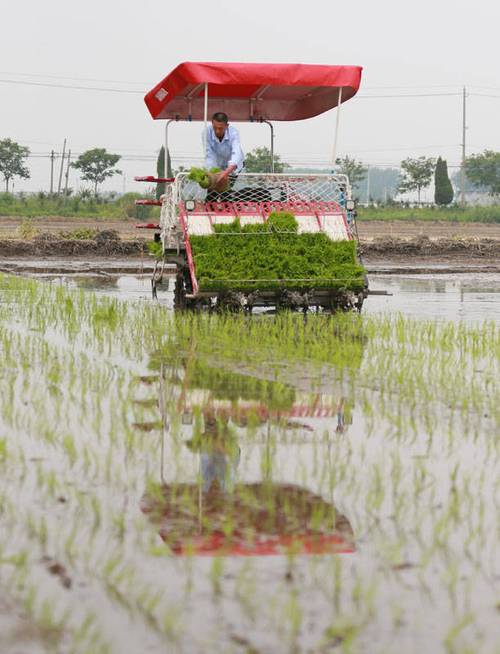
[(268, 483), (432, 292)]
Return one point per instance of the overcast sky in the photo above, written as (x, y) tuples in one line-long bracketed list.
[(427, 48)]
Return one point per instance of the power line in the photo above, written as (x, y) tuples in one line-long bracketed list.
[(415, 86), (68, 86), (398, 148), (489, 88), (147, 153), (290, 157), (135, 92), (79, 79), (361, 96), (484, 95), (144, 83), (407, 95)]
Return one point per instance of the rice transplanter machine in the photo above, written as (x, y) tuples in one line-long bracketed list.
[(321, 203)]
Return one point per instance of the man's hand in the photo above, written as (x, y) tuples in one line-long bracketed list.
[(224, 175), (221, 180)]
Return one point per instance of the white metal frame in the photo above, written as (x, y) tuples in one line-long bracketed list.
[(267, 122), (170, 228), (171, 232)]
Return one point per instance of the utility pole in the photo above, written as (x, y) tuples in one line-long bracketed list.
[(67, 175), (368, 186), (464, 129), (52, 157), (61, 169)]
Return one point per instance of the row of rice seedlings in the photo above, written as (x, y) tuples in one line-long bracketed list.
[(43, 531), (408, 364), (61, 622), (97, 519), (374, 493), (81, 547)]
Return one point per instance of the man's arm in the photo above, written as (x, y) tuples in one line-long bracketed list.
[(236, 159), (210, 159)]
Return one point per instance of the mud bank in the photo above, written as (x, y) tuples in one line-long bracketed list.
[(105, 243), (421, 249)]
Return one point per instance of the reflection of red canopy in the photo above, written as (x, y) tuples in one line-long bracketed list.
[(218, 544), (265, 519), (252, 91)]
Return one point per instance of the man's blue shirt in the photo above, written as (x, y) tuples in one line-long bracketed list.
[(221, 154)]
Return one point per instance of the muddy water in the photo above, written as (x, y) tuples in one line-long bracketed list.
[(211, 485), (470, 297), (429, 291)]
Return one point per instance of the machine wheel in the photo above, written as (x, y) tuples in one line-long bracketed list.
[(179, 292), (231, 301), (182, 288)]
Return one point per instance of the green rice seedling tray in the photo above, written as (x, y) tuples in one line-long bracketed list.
[(274, 256)]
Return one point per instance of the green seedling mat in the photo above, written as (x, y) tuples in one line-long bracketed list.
[(273, 256)]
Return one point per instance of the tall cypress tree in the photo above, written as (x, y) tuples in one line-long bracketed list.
[(160, 170), (443, 191)]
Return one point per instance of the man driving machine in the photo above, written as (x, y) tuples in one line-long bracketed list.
[(223, 150)]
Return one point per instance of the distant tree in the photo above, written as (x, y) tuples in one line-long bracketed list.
[(85, 194), (97, 165), (12, 161), (160, 170), (170, 172), (352, 168), (443, 190), (416, 174), (483, 170), (259, 161)]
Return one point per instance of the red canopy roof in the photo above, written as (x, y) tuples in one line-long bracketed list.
[(252, 91)]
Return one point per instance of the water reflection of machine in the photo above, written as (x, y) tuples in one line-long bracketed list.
[(217, 514), (254, 397)]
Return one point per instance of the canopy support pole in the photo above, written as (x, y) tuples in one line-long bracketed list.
[(205, 121), (268, 122), (172, 120), (337, 122)]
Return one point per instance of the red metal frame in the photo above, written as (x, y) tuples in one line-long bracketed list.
[(148, 203), (219, 544), (151, 203), (265, 208), (252, 208), (189, 254), (156, 180)]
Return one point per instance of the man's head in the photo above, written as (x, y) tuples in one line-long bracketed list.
[(219, 123)]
